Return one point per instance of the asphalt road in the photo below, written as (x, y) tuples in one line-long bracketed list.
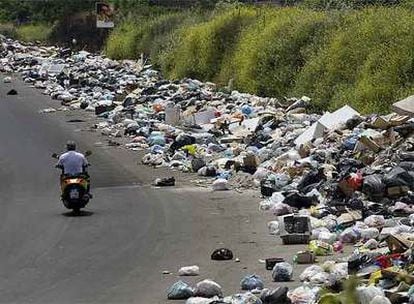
[(130, 233), (116, 252)]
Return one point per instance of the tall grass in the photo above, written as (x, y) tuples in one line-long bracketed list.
[(368, 62), (8, 30), (364, 58), (148, 35), (34, 32), (122, 41), (270, 54), (203, 47)]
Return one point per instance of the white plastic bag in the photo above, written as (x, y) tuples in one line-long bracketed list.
[(273, 227), (265, 205), (330, 222), (279, 209), (315, 193), (281, 180), (327, 237), (371, 244), (261, 174), (242, 298), (380, 300), (376, 221), (349, 235), (317, 231), (340, 270), (220, 184), (309, 272), (369, 233), (302, 295), (208, 289), (189, 271), (200, 300), (367, 294), (277, 197), (319, 278)]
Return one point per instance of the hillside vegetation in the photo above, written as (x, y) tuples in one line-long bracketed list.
[(364, 57), (335, 51)]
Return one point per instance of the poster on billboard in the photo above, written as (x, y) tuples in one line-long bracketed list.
[(104, 15)]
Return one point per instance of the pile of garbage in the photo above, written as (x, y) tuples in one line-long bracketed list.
[(331, 180)]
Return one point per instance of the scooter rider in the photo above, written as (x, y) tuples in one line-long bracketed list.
[(73, 163)]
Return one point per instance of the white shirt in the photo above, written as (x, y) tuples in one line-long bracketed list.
[(72, 162)]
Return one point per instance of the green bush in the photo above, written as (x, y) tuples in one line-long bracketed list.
[(201, 49), (150, 36), (160, 31), (271, 52), (364, 58), (121, 43), (368, 62), (8, 30), (162, 50), (34, 32)]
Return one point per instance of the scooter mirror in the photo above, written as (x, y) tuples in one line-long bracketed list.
[(88, 153)]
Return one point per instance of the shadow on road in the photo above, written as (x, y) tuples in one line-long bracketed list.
[(81, 213)]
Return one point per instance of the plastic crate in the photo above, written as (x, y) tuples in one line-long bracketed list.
[(295, 229), (271, 262), (267, 188), (295, 239)]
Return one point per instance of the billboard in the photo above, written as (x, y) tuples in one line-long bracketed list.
[(104, 15)]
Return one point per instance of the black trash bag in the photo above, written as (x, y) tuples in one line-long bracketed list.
[(359, 261), (211, 171), (355, 203), (267, 187), (354, 122), (319, 156), (408, 199), (347, 165), (197, 163), (249, 169), (181, 141), (405, 130), (222, 254), (299, 201), (399, 177), (406, 156), (129, 101), (84, 105), (164, 182), (132, 130), (65, 52), (376, 209), (275, 296), (373, 187), (149, 91), (310, 187), (407, 165), (102, 109), (313, 177), (12, 92)]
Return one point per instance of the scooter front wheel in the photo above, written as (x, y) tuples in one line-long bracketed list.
[(76, 211)]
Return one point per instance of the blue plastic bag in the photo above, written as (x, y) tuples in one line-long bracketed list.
[(180, 291), (251, 282)]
